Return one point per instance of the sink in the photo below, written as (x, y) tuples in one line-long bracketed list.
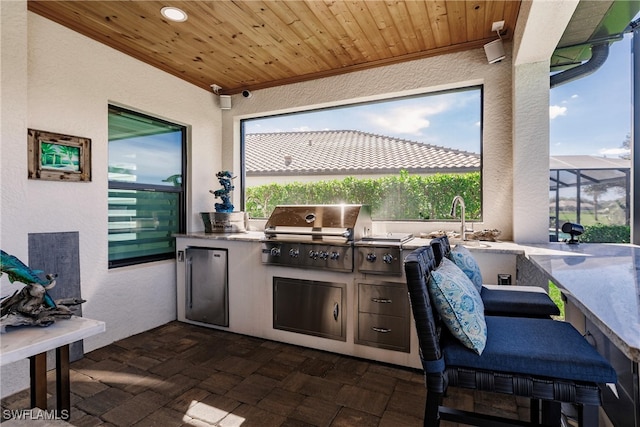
[(470, 243), (454, 239)]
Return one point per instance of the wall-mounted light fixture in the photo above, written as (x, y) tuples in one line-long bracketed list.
[(495, 49)]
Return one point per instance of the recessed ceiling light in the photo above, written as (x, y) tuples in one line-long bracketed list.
[(174, 14)]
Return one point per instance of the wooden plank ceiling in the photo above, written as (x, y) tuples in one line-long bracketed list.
[(251, 45)]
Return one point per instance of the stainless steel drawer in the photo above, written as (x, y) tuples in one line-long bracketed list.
[(389, 332), (384, 298)]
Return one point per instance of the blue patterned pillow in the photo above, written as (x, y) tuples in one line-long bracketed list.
[(459, 304), (467, 263)]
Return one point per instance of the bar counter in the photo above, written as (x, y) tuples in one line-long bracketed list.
[(602, 281)]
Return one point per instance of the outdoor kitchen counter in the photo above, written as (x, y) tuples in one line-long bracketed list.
[(473, 245), (249, 236), (602, 281)]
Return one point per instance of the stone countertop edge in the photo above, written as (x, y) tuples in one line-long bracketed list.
[(258, 236), (498, 247), (249, 236)]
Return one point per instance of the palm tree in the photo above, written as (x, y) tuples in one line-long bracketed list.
[(47, 154), (71, 153)]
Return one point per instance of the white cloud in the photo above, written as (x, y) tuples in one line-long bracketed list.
[(617, 152), (574, 96), (408, 119), (556, 110), (301, 129)]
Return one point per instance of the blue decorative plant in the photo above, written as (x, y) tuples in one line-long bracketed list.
[(224, 178)]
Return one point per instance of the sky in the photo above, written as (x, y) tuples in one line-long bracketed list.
[(142, 156), (591, 115), (449, 119)]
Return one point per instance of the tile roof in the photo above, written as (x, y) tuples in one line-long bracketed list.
[(348, 152)]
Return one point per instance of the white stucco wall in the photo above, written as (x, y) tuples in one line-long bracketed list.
[(13, 169), (530, 113), (531, 153), (66, 88), (420, 76)]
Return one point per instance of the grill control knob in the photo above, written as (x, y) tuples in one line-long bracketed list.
[(313, 254), (323, 255), (371, 257), (335, 255), (387, 258), (275, 251), (293, 253)]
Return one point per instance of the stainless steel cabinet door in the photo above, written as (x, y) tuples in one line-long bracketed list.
[(207, 293), (309, 307)]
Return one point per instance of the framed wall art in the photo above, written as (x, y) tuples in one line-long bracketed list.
[(57, 157)]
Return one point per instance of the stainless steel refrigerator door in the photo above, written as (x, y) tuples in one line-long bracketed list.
[(207, 293)]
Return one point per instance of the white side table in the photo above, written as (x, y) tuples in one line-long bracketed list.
[(33, 342)]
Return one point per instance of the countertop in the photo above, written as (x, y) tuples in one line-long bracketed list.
[(24, 341), (249, 236), (602, 280), (257, 236)]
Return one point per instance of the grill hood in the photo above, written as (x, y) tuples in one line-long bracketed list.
[(321, 222)]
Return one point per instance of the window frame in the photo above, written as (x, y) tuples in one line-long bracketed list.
[(181, 191), (353, 103)]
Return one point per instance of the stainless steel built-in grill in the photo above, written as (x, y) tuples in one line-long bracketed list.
[(337, 238), (315, 236), (325, 237)]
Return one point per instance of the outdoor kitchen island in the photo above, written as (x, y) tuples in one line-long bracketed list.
[(251, 295), (251, 301)]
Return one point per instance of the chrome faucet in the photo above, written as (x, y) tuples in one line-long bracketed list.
[(458, 200)]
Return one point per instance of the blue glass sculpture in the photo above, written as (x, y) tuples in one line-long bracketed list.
[(224, 178)]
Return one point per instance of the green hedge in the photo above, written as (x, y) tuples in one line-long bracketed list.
[(397, 197), (600, 233)]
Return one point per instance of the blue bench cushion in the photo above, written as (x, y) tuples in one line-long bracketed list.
[(467, 263), (539, 347), (504, 302), (459, 304)]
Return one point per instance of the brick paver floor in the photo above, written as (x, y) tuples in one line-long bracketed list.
[(185, 375)]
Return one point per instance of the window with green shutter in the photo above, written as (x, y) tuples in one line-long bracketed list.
[(146, 187)]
